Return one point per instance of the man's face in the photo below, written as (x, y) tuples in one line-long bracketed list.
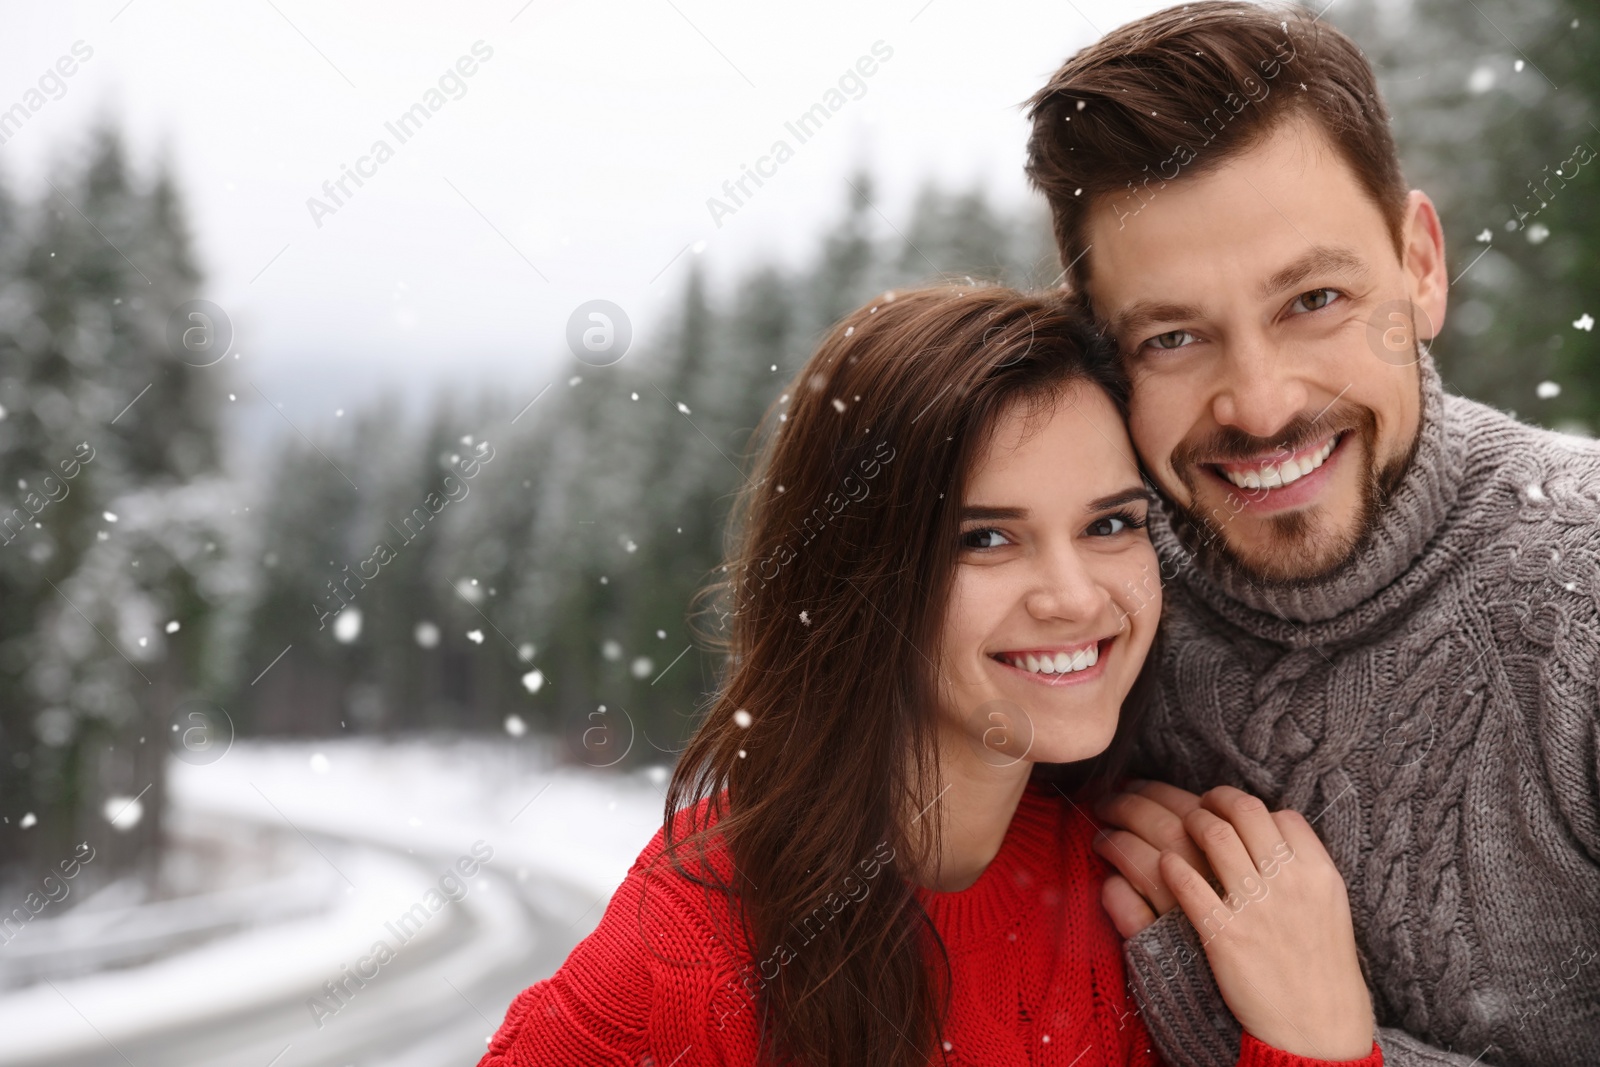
[(1270, 331)]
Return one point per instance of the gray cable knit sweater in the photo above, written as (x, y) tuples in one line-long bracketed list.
[(1434, 710)]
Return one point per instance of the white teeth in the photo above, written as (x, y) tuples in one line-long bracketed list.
[(1276, 475), (1060, 663)]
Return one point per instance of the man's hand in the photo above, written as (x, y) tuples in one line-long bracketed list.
[(1147, 820)]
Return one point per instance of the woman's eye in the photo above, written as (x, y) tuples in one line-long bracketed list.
[(1316, 299), (1111, 525), (984, 538)]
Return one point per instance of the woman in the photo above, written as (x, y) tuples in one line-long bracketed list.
[(872, 852)]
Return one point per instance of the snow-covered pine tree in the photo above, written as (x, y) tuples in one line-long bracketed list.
[(110, 443)]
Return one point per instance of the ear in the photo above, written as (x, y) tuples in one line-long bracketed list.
[(1427, 276)]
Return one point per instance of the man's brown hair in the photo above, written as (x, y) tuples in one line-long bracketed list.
[(1177, 92)]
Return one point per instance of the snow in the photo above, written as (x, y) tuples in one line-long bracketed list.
[(586, 827), (368, 804), (285, 959)]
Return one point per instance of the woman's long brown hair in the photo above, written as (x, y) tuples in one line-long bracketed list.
[(818, 752)]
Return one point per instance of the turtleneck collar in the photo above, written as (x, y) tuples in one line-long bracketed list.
[(1312, 612)]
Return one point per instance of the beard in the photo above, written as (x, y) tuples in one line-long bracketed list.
[(1298, 547)]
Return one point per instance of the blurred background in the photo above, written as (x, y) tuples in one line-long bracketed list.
[(349, 565)]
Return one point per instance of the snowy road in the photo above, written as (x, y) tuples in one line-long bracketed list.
[(381, 827)]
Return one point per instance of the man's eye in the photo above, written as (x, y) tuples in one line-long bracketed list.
[(1316, 299), (983, 538), (1171, 339)]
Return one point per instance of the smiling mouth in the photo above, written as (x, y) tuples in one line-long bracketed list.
[(1277, 470), (1054, 661)]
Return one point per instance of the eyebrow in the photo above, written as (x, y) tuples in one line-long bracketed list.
[(1319, 259), (1142, 313), (1130, 495)]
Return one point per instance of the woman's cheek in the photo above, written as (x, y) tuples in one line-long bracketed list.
[(1137, 592), (977, 603)]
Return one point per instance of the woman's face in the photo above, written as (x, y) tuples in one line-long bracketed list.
[(1057, 595)]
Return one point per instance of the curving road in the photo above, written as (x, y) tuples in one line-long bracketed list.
[(434, 1005)]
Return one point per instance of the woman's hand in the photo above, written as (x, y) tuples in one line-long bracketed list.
[(1278, 935), (1146, 821)]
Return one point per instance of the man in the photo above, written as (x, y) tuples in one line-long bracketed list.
[(1383, 602)]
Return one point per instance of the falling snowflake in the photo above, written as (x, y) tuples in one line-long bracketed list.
[(741, 719), (533, 681), (683, 407), (347, 625), (805, 618), (426, 634), (123, 813), (28, 820), (525, 651), (838, 405), (515, 726), (475, 636), (1486, 236), (1547, 390), (1584, 322), (109, 516), (172, 627), (1537, 233)]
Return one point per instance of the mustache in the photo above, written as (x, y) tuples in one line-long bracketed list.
[(1230, 444)]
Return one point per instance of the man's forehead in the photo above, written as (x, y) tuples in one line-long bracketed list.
[(1266, 218)]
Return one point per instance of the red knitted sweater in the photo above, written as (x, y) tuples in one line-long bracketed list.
[(1035, 979)]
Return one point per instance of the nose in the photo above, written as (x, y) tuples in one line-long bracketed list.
[(1065, 587), (1260, 388)]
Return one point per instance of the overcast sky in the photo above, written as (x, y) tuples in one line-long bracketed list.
[(574, 163)]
